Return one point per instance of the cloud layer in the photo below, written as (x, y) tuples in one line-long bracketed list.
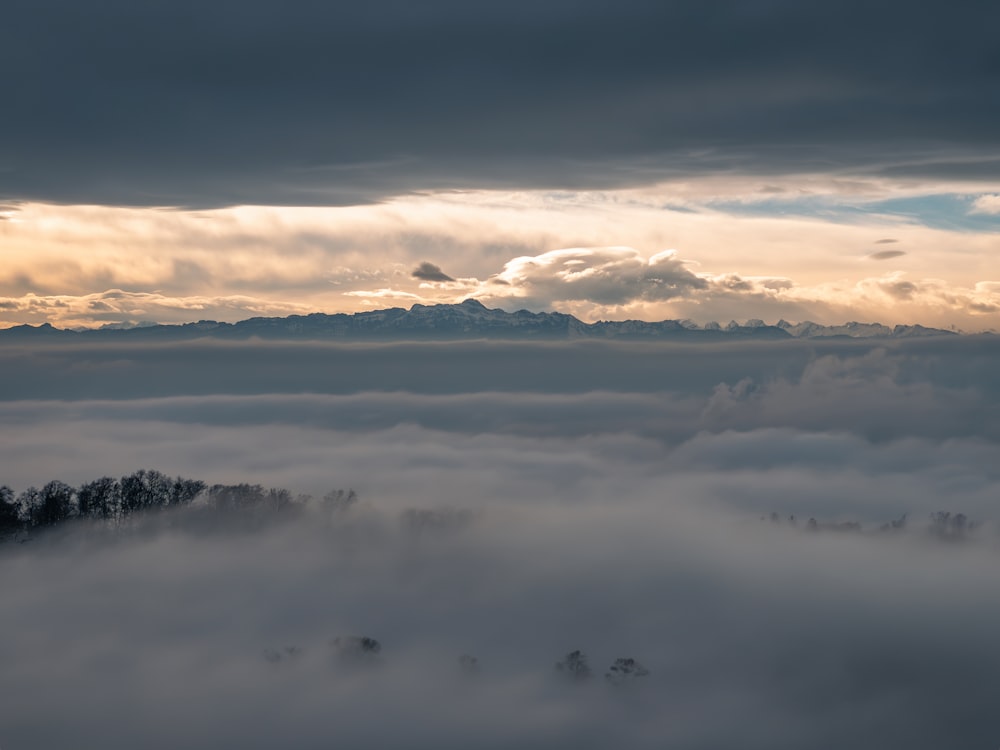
[(74, 266), (610, 499), (216, 103)]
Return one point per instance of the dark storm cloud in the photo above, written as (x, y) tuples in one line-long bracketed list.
[(218, 102), (427, 271)]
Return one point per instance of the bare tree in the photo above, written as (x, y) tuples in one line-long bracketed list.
[(48, 506), (99, 499), (951, 527), (143, 490), (574, 667), (338, 502), (625, 671), (356, 650), (185, 490), (10, 516)]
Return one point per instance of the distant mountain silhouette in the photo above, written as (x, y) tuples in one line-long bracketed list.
[(466, 320)]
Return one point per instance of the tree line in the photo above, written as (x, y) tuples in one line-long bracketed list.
[(945, 525), (118, 501), (574, 667)]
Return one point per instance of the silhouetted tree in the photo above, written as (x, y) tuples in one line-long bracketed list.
[(27, 502), (48, 506), (185, 490), (145, 489), (356, 649), (338, 502), (625, 671), (574, 667), (57, 502), (236, 497), (142, 491), (898, 525), (98, 499), (10, 516), (953, 528), (278, 500)]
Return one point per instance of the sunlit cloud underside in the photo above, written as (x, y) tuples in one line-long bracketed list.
[(702, 251)]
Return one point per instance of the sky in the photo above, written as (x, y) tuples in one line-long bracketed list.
[(176, 161)]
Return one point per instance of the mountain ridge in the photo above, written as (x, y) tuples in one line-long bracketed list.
[(467, 319)]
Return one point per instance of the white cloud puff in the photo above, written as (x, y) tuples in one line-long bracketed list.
[(986, 204), (604, 275)]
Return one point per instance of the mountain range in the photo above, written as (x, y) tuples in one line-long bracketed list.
[(468, 319)]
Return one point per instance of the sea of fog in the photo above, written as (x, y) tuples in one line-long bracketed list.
[(722, 515)]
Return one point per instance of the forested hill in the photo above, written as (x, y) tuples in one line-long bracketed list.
[(116, 503)]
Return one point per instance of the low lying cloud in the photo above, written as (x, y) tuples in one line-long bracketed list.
[(934, 293), (385, 296), (986, 204), (427, 271), (205, 395), (725, 614), (517, 503), (119, 306), (887, 254)]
